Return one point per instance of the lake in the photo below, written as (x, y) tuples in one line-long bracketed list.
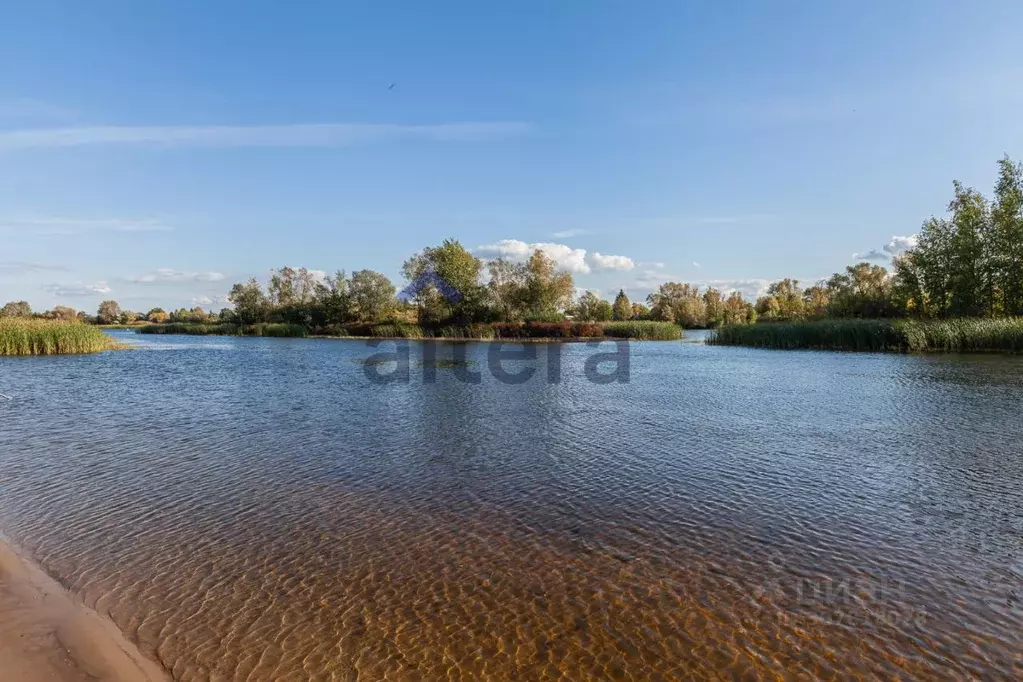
[(258, 509)]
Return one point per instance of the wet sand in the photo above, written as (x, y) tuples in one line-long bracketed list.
[(45, 634)]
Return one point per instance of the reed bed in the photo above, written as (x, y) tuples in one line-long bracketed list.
[(917, 336), (261, 329), (645, 330), (45, 337), (531, 331)]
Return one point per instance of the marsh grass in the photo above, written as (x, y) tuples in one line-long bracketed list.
[(517, 331), (645, 330), (44, 337), (954, 335), (261, 329)]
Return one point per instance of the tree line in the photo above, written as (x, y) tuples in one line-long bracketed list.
[(968, 264)]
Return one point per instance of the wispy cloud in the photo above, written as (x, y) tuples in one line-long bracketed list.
[(696, 265), (873, 254), (53, 225), (25, 267), (96, 288), (292, 135), (172, 276), (568, 234), (215, 300), (33, 109)]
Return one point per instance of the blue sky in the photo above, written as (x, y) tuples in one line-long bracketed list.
[(157, 152)]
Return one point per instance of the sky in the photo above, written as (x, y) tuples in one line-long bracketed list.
[(157, 152)]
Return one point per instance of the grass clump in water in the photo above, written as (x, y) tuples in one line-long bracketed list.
[(44, 337), (644, 330), (952, 335)]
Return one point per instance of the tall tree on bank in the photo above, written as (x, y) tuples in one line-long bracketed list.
[(622, 308), (448, 266), (109, 312)]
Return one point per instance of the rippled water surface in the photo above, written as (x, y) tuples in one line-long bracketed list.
[(256, 509)]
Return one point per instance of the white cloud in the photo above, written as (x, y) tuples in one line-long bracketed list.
[(171, 276), (51, 225), (217, 299), (568, 234), (24, 267), (604, 262), (78, 289), (873, 254), (896, 246), (567, 258), (289, 135), (696, 265)]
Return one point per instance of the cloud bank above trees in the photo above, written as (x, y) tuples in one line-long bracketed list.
[(576, 261)]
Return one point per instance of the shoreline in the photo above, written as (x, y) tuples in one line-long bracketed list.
[(48, 634)]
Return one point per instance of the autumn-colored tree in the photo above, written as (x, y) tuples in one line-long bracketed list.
[(622, 308), (109, 312), (16, 309)]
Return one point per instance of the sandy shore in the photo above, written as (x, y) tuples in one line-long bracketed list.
[(46, 634)]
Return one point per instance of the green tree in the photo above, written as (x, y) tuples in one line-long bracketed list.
[(459, 270), (714, 307), (250, 303), (109, 312), (587, 306), (334, 300), (622, 309), (667, 302), (863, 290), (372, 295), (1005, 247), (16, 309), (547, 291)]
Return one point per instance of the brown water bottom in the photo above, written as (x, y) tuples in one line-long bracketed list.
[(352, 585)]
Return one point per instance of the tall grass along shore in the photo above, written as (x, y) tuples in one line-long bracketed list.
[(42, 337), (953, 335), (535, 331)]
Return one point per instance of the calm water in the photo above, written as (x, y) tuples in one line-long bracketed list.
[(251, 509)]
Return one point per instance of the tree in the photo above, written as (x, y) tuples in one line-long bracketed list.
[(334, 300), (622, 309), (587, 307), (250, 304), (16, 309), (546, 292), (157, 315), (817, 301), (64, 313), (784, 301), (506, 289), (372, 295), (1005, 247), (640, 311), (863, 290), (109, 312), (673, 300), (714, 307), (445, 283)]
